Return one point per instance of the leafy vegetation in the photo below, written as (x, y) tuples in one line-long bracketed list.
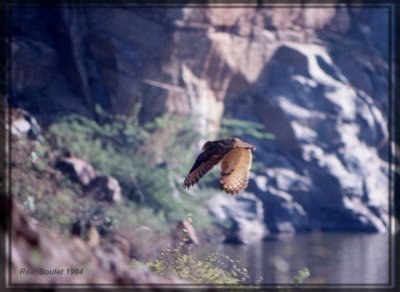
[(238, 128), (46, 195), (301, 276), (148, 160), (216, 268)]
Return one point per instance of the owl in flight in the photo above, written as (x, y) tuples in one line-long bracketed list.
[(235, 157)]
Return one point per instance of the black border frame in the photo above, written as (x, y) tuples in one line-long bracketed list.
[(394, 132)]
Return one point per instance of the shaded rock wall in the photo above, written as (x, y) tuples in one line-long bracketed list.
[(315, 77)]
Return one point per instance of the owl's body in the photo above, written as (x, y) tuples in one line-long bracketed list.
[(235, 157)]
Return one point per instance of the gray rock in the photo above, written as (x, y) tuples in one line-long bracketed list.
[(23, 124), (367, 218), (281, 212), (77, 169), (328, 133), (240, 216), (20, 127), (105, 188)]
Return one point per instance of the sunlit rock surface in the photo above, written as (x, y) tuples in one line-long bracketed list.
[(241, 217)]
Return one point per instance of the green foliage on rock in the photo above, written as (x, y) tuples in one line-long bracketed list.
[(35, 186), (301, 276), (149, 161), (216, 268), (181, 262), (238, 128)]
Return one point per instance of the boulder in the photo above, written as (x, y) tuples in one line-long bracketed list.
[(282, 213), (105, 188), (23, 124), (241, 217), (76, 168)]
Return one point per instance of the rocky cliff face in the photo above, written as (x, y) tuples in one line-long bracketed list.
[(317, 78)]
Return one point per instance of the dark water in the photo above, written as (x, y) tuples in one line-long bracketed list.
[(332, 258)]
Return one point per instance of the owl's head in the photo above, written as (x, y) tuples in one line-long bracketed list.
[(240, 143), (206, 145)]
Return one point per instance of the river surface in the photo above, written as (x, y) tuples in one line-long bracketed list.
[(331, 258)]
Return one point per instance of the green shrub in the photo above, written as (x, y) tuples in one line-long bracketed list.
[(216, 268), (148, 160), (301, 276), (237, 128)]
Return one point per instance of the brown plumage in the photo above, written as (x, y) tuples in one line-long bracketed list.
[(235, 157)]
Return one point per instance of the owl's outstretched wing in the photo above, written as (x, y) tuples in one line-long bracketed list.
[(235, 170), (202, 165), (205, 161)]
